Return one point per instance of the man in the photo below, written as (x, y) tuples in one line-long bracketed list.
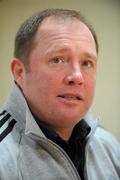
[(46, 130)]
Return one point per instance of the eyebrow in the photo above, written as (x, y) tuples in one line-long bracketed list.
[(65, 48), (90, 55), (57, 49)]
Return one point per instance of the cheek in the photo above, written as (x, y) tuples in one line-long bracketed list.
[(90, 85), (47, 84)]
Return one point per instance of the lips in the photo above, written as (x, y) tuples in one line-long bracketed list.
[(70, 97)]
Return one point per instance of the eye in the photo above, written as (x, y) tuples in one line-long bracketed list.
[(57, 60), (87, 63)]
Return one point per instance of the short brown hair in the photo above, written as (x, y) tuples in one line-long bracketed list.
[(26, 33)]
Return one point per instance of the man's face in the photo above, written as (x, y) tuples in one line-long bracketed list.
[(59, 86)]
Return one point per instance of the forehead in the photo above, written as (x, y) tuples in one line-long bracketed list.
[(58, 24), (61, 31)]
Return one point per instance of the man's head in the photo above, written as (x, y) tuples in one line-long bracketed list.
[(24, 41), (59, 80)]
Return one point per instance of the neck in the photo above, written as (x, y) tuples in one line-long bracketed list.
[(65, 134)]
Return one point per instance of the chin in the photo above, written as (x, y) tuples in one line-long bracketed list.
[(71, 120)]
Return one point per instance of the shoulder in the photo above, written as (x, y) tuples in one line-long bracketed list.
[(103, 153), (8, 136), (100, 135), (107, 142), (7, 124), (8, 146), (104, 136)]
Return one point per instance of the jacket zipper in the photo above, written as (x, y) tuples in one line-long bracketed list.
[(60, 150)]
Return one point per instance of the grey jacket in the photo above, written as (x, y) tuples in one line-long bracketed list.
[(26, 154)]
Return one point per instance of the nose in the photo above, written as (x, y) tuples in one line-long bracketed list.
[(74, 76)]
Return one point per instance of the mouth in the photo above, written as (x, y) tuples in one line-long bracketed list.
[(71, 97)]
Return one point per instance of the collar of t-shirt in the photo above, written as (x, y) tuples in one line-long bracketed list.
[(80, 131)]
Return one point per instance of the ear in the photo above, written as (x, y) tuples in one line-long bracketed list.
[(18, 71)]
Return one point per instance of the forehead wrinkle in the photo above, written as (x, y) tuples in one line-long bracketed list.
[(51, 41), (60, 49), (65, 49), (64, 34)]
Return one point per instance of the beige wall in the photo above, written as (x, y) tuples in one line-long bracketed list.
[(105, 17)]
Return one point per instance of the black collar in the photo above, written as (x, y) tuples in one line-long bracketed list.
[(80, 131)]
